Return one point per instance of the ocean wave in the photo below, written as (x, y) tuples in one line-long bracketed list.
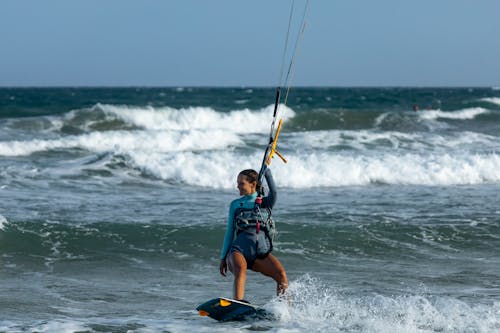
[(321, 308), (389, 168), (108, 117), (206, 118), (464, 114), (326, 169), (110, 128), (314, 308), (3, 222), (337, 139), (183, 146), (127, 141), (329, 158), (207, 139), (371, 237), (50, 326), (52, 241), (493, 100)]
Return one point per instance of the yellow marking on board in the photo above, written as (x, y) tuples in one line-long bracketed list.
[(224, 302), (203, 313)]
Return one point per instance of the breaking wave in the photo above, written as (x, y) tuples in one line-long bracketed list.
[(464, 114), (184, 145)]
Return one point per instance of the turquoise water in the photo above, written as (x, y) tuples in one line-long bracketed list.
[(113, 206)]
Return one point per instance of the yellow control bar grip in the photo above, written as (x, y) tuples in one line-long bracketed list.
[(273, 145)]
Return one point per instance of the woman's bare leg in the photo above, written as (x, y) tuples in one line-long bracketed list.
[(238, 266), (270, 266)]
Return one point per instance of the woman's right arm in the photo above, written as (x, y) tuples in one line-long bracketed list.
[(228, 237), (228, 240), (270, 199)]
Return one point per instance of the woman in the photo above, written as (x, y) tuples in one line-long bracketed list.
[(246, 242)]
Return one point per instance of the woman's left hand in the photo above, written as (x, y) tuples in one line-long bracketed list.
[(223, 267)]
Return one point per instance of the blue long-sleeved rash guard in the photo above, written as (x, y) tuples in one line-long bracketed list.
[(247, 202)]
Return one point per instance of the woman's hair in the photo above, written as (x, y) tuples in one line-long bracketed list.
[(251, 175)]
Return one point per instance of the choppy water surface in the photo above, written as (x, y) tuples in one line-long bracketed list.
[(113, 206)]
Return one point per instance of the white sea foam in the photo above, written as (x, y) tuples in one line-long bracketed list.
[(126, 141), (166, 118), (464, 114), (335, 138), (168, 146), (369, 139), (493, 100), (50, 326), (420, 159), (163, 130), (206, 139), (3, 222), (389, 168), (325, 169), (313, 158), (315, 307)]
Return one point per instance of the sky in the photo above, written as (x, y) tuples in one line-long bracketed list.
[(240, 43)]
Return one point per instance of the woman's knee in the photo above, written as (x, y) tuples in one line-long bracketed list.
[(237, 263), (280, 276)]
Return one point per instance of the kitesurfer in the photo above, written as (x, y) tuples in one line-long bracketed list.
[(247, 243)]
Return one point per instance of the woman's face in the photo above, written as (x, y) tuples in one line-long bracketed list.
[(245, 186)]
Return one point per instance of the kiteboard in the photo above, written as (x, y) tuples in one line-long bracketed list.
[(226, 309)]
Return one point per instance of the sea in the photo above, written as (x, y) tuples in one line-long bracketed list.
[(114, 202)]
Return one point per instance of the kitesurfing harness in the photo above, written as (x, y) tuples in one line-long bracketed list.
[(256, 220)]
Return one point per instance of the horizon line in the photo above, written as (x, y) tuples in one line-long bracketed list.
[(245, 86)]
